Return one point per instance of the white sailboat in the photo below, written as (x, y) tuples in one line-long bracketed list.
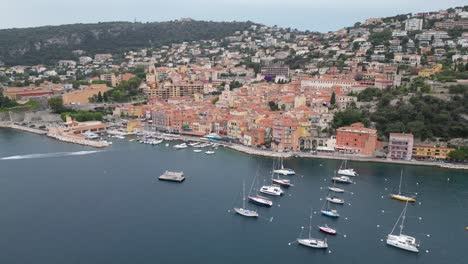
[(312, 242), (258, 199), (335, 189), (335, 200), (243, 210), (280, 181), (399, 196), (402, 241), (284, 171), (346, 171), (342, 179)]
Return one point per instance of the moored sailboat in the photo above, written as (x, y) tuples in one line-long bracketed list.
[(312, 242), (402, 241), (401, 197), (243, 210)]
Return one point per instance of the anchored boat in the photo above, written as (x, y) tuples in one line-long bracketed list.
[(243, 210), (312, 242), (402, 241), (399, 196)]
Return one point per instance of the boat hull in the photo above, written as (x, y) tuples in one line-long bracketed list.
[(313, 243), (260, 201), (330, 214), (284, 183), (337, 190), (246, 213), (400, 245), (403, 198), (327, 230)]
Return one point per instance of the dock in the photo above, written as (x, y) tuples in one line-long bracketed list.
[(172, 176)]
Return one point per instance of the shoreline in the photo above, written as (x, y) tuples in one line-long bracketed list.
[(272, 154), (244, 149)]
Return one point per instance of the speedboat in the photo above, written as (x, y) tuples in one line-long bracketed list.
[(313, 243), (282, 182), (404, 242), (260, 200), (328, 230), (197, 150), (209, 152), (336, 189), (181, 146), (330, 213), (342, 179), (271, 190), (347, 172), (284, 171), (246, 212), (335, 200)]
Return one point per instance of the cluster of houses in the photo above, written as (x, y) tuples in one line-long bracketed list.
[(271, 87)]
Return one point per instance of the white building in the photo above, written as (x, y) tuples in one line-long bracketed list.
[(413, 24)]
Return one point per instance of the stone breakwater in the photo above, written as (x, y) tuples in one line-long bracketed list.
[(85, 142)]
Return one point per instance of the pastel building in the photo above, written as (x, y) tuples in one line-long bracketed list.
[(400, 146), (356, 139)]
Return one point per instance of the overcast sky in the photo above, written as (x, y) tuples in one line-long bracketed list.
[(316, 15)]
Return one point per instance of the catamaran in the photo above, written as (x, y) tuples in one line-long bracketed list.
[(284, 171), (243, 210), (346, 171), (401, 197), (402, 241), (326, 229), (329, 212), (272, 190), (312, 242)]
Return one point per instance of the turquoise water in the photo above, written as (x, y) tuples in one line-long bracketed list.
[(74, 206)]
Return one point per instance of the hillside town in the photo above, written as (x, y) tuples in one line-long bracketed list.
[(272, 88)]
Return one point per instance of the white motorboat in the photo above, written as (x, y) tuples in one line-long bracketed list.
[(181, 146), (194, 144), (402, 241), (197, 150), (243, 210), (335, 200), (209, 152), (272, 190), (90, 135), (312, 242)]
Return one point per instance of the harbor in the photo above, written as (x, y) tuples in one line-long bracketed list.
[(117, 204)]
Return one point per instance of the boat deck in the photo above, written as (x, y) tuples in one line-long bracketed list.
[(172, 176)]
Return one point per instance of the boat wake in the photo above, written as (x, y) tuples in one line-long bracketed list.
[(50, 155)]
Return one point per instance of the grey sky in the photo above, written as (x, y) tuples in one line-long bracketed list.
[(319, 15)]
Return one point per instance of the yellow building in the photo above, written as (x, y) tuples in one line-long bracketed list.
[(431, 152)]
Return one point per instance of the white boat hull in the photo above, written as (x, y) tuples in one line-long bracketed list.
[(401, 243), (245, 212), (271, 190), (313, 243)]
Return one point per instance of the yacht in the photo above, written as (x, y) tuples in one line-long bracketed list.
[(312, 242), (400, 240), (284, 171), (401, 197), (181, 146), (260, 200), (335, 200), (272, 190), (328, 230), (342, 179), (282, 182), (346, 171), (243, 210)]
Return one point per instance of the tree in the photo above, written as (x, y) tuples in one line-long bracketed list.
[(56, 104), (273, 106), (99, 97), (348, 117), (333, 99)]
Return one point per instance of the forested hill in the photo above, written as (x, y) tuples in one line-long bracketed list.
[(27, 46)]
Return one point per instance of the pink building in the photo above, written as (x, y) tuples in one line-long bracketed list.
[(400, 146)]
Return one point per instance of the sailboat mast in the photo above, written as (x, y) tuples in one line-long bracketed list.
[(310, 222), (401, 179), (403, 218), (243, 194)]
